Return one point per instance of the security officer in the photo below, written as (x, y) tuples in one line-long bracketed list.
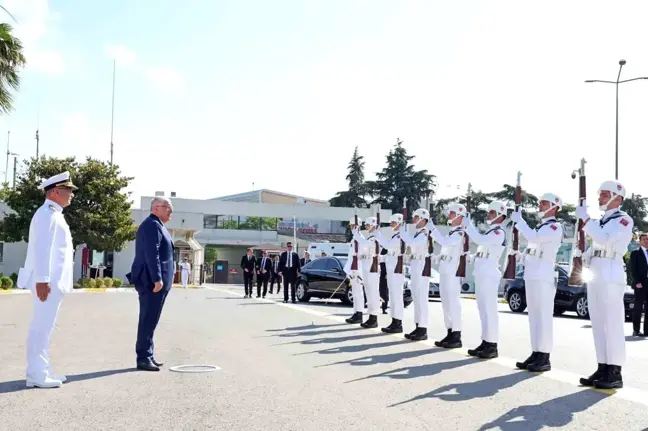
[(610, 238), (539, 278), (48, 273), (450, 284), (370, 272), (394, 246), (491, 245), (355, 276), (418, 251)]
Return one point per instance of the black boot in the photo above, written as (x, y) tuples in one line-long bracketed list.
[(372, 322), (475, 352), (443, 340), (356, 318), (611, 378), (541, 364), (489, 352), (395, 327), (454, 342), (420, 335), (527, 361), (408, 336), (599, 373)]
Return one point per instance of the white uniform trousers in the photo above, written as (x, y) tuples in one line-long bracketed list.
[(372, 287), (358, 293), (540, 303), (420, 287), (40, 334), (486, 288), (184, 276), (607, 315), (450, 291), (395, 284)]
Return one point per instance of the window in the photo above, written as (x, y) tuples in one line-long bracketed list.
[(318, 265), (210, 221), (331, 265)]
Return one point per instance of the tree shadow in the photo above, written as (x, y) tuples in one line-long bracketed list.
[(472, 390), (388, 358), (554, 413), (420, 370), (305, 327), (331, 340), (19, 385)]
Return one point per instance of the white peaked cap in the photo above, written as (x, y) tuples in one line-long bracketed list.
[(59, 180)]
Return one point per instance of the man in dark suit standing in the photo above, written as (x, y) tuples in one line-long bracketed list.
[(248, 264), (263, 273), (152, 274), (639, 272), (275, 275), (289, 269)]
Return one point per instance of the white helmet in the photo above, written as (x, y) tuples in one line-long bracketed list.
[(553, 199), (371, 221), (615, 188), (352, 222), (498, 207), (422, 213), (457, 208), (396, 218)]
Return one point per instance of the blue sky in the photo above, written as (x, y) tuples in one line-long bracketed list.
[(213, 96)]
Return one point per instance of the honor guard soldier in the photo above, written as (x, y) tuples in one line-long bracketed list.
[(610, 238), (354, 275), (48, 273), (395, 273), (450, 284), (491, 245), (539, 278), (370, 270), (420, 285)]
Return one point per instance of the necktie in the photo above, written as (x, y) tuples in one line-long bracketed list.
[(263, 263), (289, 259)]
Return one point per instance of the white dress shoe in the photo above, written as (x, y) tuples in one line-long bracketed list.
[(47, 383), (63, 379)]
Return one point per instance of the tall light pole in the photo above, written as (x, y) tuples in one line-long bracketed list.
[(112, 117), (616, 83)]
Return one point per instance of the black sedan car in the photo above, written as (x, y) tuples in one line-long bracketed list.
[(321, 277)]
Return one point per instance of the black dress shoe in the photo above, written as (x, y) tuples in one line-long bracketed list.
[(156, 363), (147, 366)]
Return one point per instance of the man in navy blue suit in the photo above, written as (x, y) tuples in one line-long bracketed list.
[(152, 274)]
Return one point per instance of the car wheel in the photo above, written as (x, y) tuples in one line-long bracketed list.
[(516, 302), (581, 307), (348, 296), (301, 292)]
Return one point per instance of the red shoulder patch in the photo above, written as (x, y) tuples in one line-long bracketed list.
[(554, 227), (624, 221), (497, 232)]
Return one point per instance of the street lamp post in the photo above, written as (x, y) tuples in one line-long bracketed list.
[(616, 83)]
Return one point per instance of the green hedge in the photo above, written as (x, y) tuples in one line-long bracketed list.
[(6, 283), (98, 283)]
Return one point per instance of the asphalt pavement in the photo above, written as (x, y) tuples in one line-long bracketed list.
[(300, 367)]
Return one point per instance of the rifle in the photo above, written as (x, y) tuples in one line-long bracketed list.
[(399, 261), (427, 268), (509, 274), (461, 268), (354, 259), (576, 275), (375, 266)]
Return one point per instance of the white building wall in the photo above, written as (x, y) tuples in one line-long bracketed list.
[(13, 258)]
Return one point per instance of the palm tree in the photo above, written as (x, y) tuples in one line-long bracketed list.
[(11, 59)]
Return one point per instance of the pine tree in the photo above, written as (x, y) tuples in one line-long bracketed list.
[(355, 195), (635, 206)]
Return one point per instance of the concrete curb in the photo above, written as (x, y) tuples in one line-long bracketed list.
[(96, 290)]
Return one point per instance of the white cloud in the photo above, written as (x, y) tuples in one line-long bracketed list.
[(124, 55), (165, 78)]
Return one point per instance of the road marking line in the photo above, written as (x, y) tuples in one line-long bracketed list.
[(637, 396)]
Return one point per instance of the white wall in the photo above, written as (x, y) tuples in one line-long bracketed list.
[(235, 237), (13, 258)]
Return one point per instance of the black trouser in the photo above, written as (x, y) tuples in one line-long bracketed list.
[(262, 279), (247, 281), (641, 298), (275, 278), (289, 279), (384, 292), (149, 316)]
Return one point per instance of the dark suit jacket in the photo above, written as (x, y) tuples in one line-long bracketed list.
[(267, 268), (248, 264), (638, 268), (154, 253), (296, 266)]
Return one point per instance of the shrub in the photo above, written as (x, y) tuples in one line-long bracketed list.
[(89, 283), (77, 285), (99, 283), (14, 277), (117, 282), (6, 282), (108, 282)]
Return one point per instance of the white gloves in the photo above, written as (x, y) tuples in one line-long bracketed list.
[(466, 220), (516, 216), (581, 211)]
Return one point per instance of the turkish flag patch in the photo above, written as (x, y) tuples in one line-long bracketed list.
[(554, 227), (624, 222)]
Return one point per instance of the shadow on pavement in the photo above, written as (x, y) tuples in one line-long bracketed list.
[(554, 413), (633, 338), (388, 358), (331, 340), (256, 303), (469, 391), (19, 385), (420, 370), (322, 332), (225, 297), (305, 327), (355, 348)]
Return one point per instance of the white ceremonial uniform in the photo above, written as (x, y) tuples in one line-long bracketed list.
[(395, 281), (185, 268), (539, 278), (371, 280), (491, 245), (354, 276), (419, 285), (610, 238), (50, 259), (449, 283)]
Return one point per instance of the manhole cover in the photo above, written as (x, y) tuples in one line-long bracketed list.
[(194, 368)]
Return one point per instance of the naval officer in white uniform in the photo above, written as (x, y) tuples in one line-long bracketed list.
[(185, 268), (48, 273)]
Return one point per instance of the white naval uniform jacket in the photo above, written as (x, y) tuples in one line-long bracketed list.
[(543, 243), (418, 245), (347, 266), (185, 266), (50, 253), (610, 238), (451, 249), (490, 246), (367, 247), (393, 246)]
